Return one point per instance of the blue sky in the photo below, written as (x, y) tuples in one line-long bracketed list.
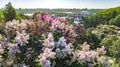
[(61, 3)]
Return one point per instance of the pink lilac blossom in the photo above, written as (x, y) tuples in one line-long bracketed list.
[(44, 17), (58, 25), (65, 29)]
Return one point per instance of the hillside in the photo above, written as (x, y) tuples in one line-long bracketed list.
[(102, 17)]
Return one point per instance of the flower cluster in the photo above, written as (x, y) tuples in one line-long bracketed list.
[(46, 56), (47, 51), (12, 25), (22, 37), (62, 50), (1, 49), (58, 25), (87, 55)]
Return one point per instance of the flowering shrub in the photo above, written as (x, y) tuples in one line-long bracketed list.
[(62, 54), (58, 26), (48, 41)]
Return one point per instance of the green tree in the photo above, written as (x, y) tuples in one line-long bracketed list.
[(112, 44), (92, 39), (10, 12), (2, 18), (115, 21), (102, 17)]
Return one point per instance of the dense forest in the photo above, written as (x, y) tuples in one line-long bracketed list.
[(57, 42)]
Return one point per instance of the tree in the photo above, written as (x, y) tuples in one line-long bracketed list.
[(2, 18), (10, 12), (115, 21), (102, 17)]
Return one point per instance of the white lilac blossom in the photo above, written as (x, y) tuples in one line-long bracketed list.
[(12, 24), (101, 50), (86, 47), (87, 55), (13, 48), (103, 59), (75, 56), (49, 42), (83, 56), (65, 50), (57, 24), (23, 24), (62, 50), (1, 49), (45, 57), (47, 54), (62, 42), (45, 63), (22, 37)]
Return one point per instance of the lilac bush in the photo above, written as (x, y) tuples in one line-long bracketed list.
[(47, 41), (62, 50)]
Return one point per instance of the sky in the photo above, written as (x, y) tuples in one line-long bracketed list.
[(62, 3)]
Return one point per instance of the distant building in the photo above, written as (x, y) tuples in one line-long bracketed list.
[(78, 20), (86, 13)]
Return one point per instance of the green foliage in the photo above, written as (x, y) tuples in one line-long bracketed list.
[(2, 18), (109, 37), (115, 21), (92, 39), (103, 31), (2, 28), (10, 12), (102, 17), (112, 44)]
